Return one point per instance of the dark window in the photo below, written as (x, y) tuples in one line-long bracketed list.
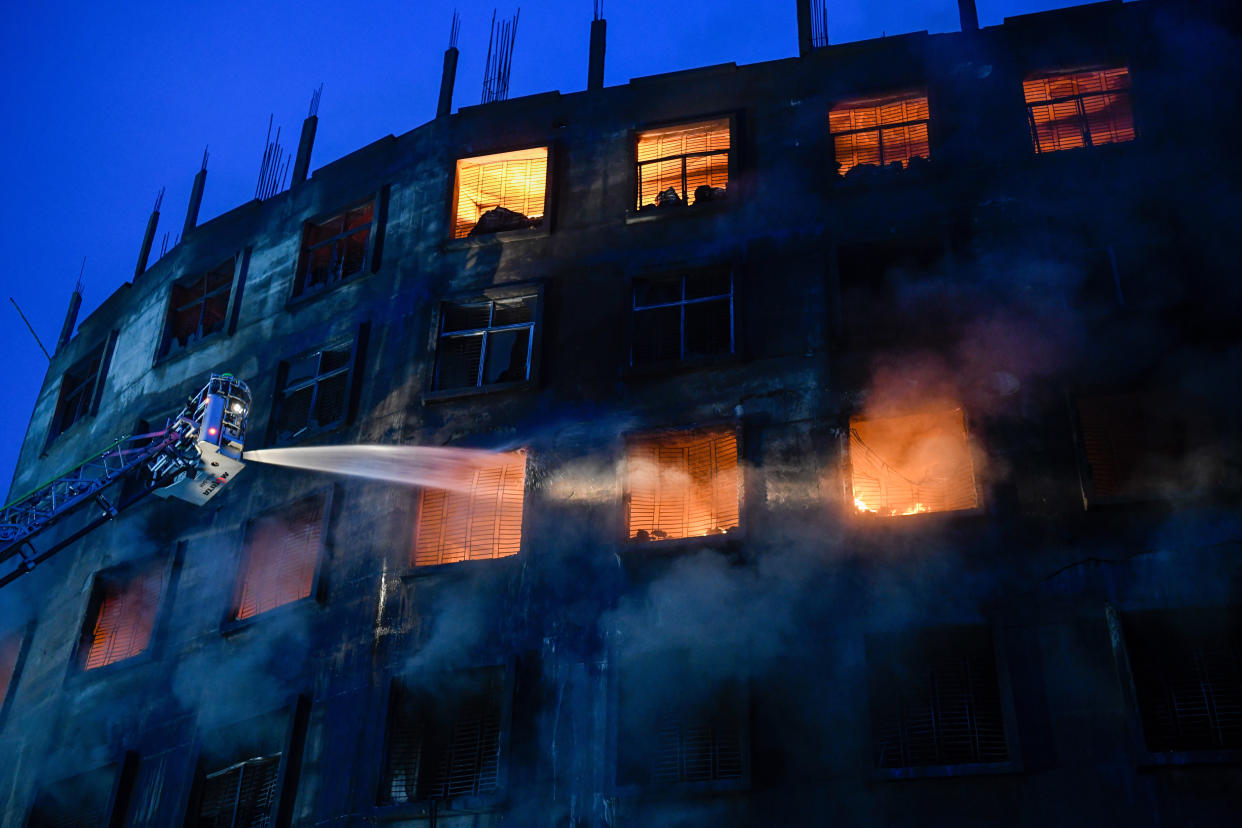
[(280, 556), (1187, 671), (444, 740), (122, 615), (881, 295), (10, 648), (935, 700), (1079, 109), (335, 249), (77, 392), (683, 317), (485, 342), (243, 795), (676, 162), (197, 308), (78, 802), (315, 394)]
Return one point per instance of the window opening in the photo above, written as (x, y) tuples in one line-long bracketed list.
[(683, 485), (240, 796), (77, 392), (674, 162), (198, 308), (1079, 109), (78, 802), (335, 249), (487, 342), (280, 557), (480, 521), (505, 191), (124, 616), (912, 464), (683, 317), (316, 389), (879, 133)]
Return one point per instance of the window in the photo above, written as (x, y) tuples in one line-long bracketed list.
[(197, 308), (675, 162), (879, 132), (315, 391), (77, 802), (885, 291), (335, 249), (121, 616), (683, 317), (444, 741), (1187, 671), (243, 795), (485, 342), (480, 521), (682, 485), (911, 464), (280, 557), (10, 649), (78, 392), (1079, 109), (505, 191), (936, 699)]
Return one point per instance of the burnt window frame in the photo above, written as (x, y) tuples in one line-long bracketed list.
[(386, 699), (885, 649), (878, 101), (24, 633), (1121, 628), (300, 290), (669, 274), (542, 229), (635, 213), (1082, 117), (115, 802), (356, 340), (329, 496), (497, 293), (94, 366), (250, 743), (165, 349)]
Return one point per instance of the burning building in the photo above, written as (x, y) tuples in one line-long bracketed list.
[(843, 439)]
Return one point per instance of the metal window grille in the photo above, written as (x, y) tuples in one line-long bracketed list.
[(938, 703), (282, 551), (485, 343), (515, 181), (879, 132), (683, 318), (77, 392), (683, 485), (124, 617), (683, 158), (198, 309), (316, 390), (1188, 680), (335, 249), (481, 521), (912, 464), (1079, 109), (240, 796)]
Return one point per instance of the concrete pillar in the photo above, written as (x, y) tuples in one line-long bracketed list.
[(145, 252), (196, 201), (301, 165), (969, 14), (805, 45), (445, 105), (71, 319), (595, 66)]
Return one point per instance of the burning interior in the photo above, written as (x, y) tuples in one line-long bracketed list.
[(913, 463), (879, 131), (682, 485), (479, 520), (675, 162), (505, 191), (1079, 109)]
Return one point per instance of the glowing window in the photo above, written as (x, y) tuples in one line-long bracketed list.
[(913, 463), (280, 557), (499, 192), (1079, 109), (879, 132), (123, 616), (485, 342), (479, 521), (685, 159), (335, 249), (243, 794), (10, 646), (682, 485)]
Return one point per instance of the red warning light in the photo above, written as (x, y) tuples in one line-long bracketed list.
[(220, 479), (212, 431)]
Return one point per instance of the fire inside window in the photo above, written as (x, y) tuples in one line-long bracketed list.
[(1187, 670), (1079, 109), (123, 616), (682, 485), (485, 343), (683, 317), (315, 395), (198, 308), (936, 700), (879, 132), (335, 249), (499, 192), (242, 795), (444, 743), (280, 557), (678, 162), (77, 392), (10, 646), (482, 520), (913, 463)]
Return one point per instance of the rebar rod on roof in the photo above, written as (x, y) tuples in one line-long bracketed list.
[(454, 30), (819, 24), (499, 58)]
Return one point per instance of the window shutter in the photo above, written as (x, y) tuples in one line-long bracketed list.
[(683, 485), (879, 132), (243, 796), (125, 618), (281, 555), (483, 522), (690, 750), (471, 759), (683, 158), (406, 740), (515, 183)]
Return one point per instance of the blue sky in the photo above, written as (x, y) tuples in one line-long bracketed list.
[(107, 103)]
